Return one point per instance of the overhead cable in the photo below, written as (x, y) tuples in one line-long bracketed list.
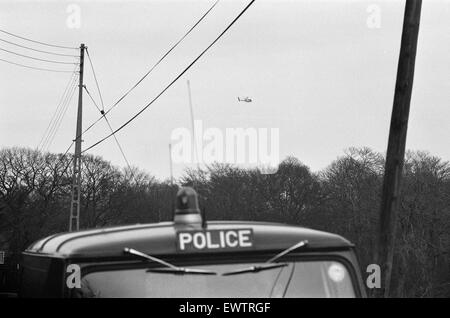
[(35, 68), (36, 58), (36, 50), (173, 81), (38, 42), (163, 57)]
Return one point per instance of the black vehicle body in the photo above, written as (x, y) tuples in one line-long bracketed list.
[(44, 267)]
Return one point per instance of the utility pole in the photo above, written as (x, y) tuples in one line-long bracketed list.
[(397, 142), (74, 222)]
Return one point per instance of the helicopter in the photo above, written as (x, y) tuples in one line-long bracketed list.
[(245, 99)]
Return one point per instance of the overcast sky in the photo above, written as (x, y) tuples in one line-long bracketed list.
[(320, 71)]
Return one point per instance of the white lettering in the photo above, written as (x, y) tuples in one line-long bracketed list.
[(228, 239), (244, 238), (209, 242), (222, 239), (215, 239), (199, 241), (184, 238)]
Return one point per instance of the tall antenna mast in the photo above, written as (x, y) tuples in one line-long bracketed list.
[(191, 109), (74, 222)]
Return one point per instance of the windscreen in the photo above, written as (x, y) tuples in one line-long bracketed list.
[(327, 279)]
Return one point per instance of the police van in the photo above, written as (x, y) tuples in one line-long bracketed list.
[(192, 257)]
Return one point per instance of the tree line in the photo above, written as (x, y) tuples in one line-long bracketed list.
[(343, 198)]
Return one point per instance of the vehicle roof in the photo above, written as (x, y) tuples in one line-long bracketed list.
[(160, 239)]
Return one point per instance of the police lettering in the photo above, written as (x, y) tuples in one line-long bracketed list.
[(215, 239)]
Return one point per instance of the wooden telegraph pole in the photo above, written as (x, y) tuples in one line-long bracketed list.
[(397, 141), (74, 222)]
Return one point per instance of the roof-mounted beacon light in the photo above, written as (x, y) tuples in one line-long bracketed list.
[(187, 210)]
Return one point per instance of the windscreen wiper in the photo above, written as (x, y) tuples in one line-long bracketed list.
[(294, 247), (169, 268), (270, 264), (255, 269), (181, 270)]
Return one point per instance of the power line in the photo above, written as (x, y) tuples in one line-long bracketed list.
[(36, 68), (63, 156), (64, 170), (120, 149), (163, 57), (173, 81), (62, 115), (153, 67), (41, 51), (60, 161), (92, 99), (60, 119), (115, 137), (95, 78), (56, 110), (57, 113), (38, 42), (42, 69), (36, 58)]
